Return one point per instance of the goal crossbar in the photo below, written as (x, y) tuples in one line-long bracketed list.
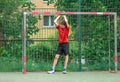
[(70, 13)]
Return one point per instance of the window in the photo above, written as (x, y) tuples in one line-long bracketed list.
[(25, 0), (48, 21), (45, 0)]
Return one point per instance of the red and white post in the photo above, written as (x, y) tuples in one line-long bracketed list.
[(24, 44)]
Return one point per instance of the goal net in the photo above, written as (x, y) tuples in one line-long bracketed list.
[(93, 40)]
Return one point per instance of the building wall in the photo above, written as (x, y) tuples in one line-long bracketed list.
[(43, 32), (42, 4)]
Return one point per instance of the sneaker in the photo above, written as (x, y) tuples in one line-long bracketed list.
[(64, 72), (51, 72)]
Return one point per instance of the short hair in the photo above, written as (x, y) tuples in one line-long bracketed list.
[(63, 23)]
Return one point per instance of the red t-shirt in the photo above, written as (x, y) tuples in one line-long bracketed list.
[(63, 34)]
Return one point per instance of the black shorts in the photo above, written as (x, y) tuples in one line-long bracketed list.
[(63, 48)]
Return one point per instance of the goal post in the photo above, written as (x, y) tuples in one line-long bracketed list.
[(114, 14)]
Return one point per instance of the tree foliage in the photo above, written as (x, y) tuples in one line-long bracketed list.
[(11, 24), (11, 18)]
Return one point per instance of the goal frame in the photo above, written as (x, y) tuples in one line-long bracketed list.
[(68, 13)]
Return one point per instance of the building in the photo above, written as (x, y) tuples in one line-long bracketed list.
[(42, 4), (45, 25)]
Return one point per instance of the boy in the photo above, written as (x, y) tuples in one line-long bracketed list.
[(63, 48)]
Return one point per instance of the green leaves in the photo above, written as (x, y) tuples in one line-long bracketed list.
[(50, 2)]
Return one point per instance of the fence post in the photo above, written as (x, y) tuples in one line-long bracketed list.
[(115, 42), (79, 35), (24, 44)]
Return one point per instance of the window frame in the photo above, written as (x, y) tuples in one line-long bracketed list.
[(45, 1), (49, 21)]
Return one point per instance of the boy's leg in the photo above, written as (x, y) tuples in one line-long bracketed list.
[(66, 53), (65, 63), (54, 64), (55, 61)]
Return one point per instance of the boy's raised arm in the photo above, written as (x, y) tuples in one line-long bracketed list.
[(55, 21)]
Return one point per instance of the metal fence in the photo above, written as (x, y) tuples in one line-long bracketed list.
[(91, 38)]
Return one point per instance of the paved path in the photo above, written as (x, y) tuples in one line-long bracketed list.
[(59, 77)]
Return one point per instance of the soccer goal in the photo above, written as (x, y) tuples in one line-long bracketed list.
[(114, 14)]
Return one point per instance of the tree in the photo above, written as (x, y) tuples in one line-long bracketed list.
[(11, 17)]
